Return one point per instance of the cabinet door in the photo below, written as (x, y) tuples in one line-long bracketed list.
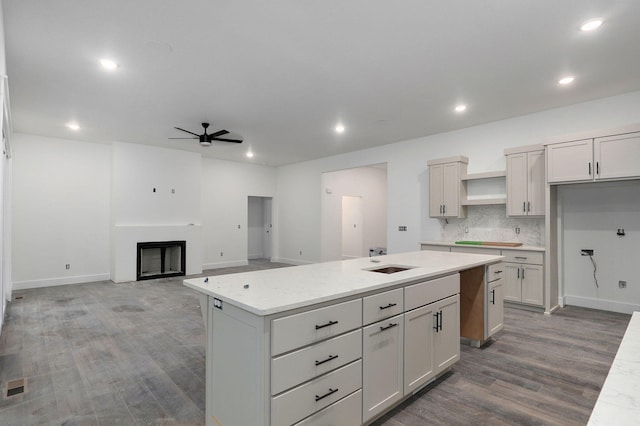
[(495, 311), (532, 288), (570, 161), (517, 184), (512, 282), (446, 340), (418, 348), (535, 183), (435, 190), (617, 156), (451, 189), (382, 359)]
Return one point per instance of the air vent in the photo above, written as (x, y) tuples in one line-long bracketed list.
[(15, 387)]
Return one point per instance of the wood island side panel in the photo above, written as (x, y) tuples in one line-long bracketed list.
[(472, 303)]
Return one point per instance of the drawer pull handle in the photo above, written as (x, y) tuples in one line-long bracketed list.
[(391, 325), (390, 305), (521, 257), (497, 272), (330, 323), (331, 358), (331, 392)]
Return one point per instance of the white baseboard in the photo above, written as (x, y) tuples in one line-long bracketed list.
[(291, 261), (50, 282), (604, 305), (218, 265)]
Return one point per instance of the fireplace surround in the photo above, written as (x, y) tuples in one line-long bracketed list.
[(159, 259)]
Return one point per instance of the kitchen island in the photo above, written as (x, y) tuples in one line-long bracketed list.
[(339, 342)]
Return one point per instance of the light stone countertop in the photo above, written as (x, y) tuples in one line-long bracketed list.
[(453, 244), (277, 290), (619, 399)]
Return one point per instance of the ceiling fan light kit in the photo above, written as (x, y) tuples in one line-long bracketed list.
[(207, 139)]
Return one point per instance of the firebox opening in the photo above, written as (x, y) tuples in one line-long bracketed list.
[(158, 259)]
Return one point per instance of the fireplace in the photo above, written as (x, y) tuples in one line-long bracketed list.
[(158, 259)]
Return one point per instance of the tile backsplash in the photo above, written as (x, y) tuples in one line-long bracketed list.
[(490, 223)]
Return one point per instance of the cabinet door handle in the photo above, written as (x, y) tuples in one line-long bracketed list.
[(518, 272), (390, 305), (391, 325), (524, 206), (523, 273), (493, 296), (437, 321), (330, 358), (440, 325), (444, 208), (528, 206), (330, 323), (598, 168), (331, 392), (589, 168)]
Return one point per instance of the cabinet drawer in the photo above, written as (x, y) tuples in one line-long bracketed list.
[(300, 402), (475, 250), (495, 272), (347, 411), (434, 247), (296, 367), (383, 305), (428, 292), (305, 328), (518, 256)]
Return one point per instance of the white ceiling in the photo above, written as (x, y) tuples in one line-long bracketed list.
[(282, 73)]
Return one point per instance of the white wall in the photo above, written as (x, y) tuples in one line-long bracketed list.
[(60, 211), (226, 186), (299, 184), (591, 216), (366, 182)]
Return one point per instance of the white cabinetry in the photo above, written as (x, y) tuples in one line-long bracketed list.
[(525, 181), (382, 363), (601, 158), (446, 189), (495, 299), (524, 278), (447, 333)]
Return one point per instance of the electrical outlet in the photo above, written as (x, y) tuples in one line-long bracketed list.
[(402, 228), (221, 254), (517, 231), (67, 266), (466, 229), (586, 252), (622, 284), (300, 252)]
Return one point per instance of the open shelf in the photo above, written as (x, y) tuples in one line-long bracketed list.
[(485, 175), (484, 201)]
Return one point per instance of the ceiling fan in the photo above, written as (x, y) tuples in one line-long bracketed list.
[(207, 139)]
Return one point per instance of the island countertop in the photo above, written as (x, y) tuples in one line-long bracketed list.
[(277, 290)]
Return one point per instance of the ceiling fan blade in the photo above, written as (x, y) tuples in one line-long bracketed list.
[(195, 134), (182, 138), (227, 140), (219, 133)]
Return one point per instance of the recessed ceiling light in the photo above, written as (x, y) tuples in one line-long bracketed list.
[(108, 64), (73, 126), (591, 24), (249, 154), (340, 128), (460, 108), (566, 80)]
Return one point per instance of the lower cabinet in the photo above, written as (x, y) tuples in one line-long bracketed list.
[(432, 341), (382, 363), (495, 311), (524, 283)]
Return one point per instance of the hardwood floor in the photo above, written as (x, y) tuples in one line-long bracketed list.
[(539, 370), (133, 354)]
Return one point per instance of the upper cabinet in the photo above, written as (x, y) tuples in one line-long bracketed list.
[(598, 158), (446, 189), (525, 181)]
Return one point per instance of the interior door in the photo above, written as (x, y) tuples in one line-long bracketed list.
[(267, 228), (352, 232)]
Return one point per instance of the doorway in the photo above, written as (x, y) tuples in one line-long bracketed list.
[(259, 228), (352, 229)]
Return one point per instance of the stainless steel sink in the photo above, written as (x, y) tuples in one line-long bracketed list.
[(390, 269)]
